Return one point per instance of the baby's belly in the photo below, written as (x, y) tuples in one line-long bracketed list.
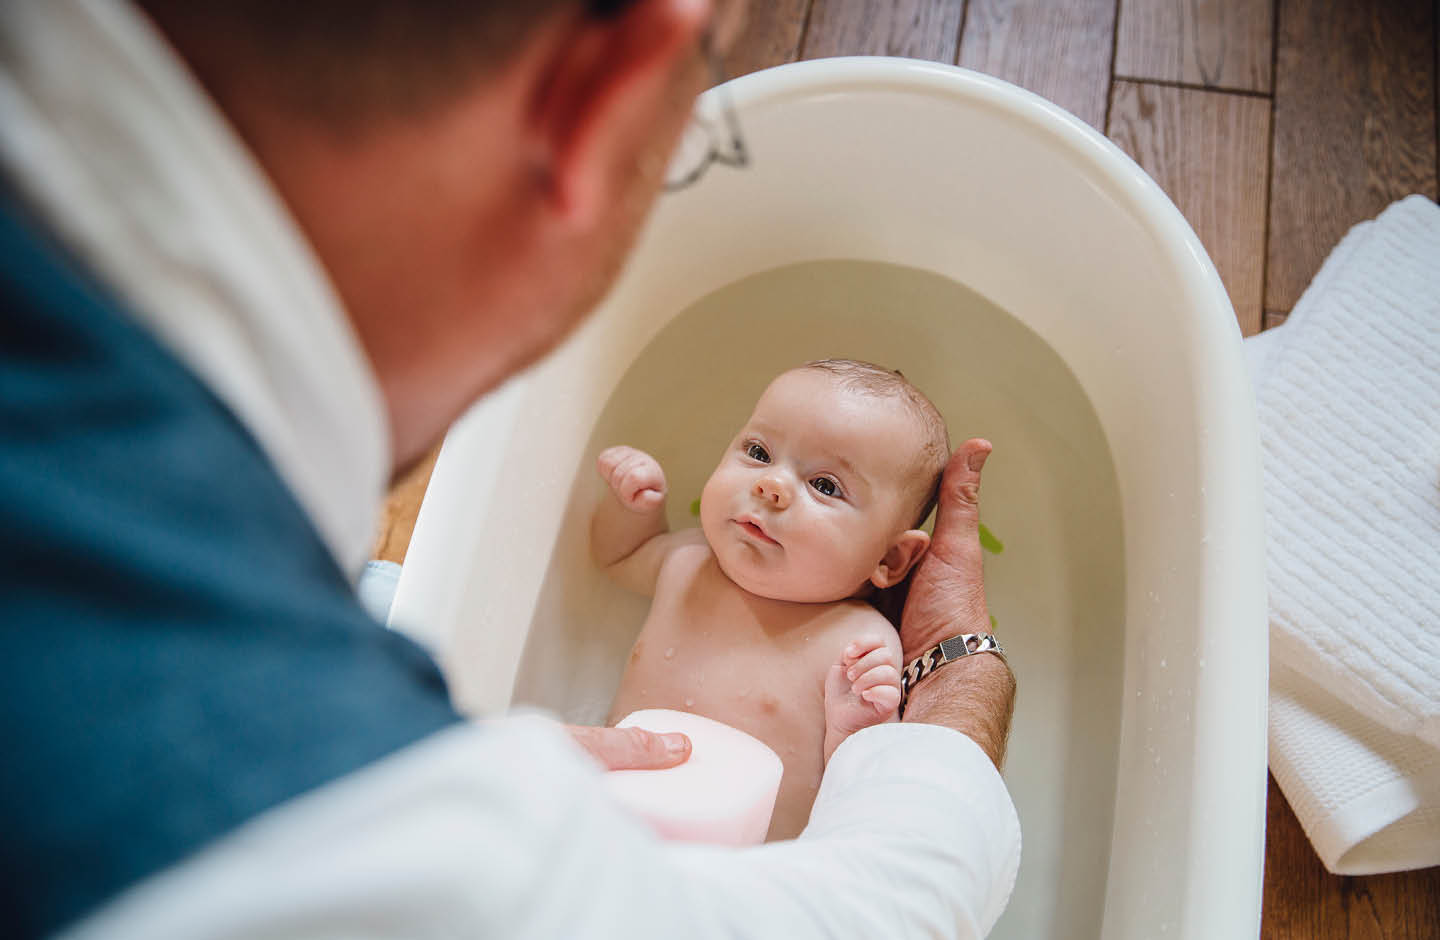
[(746, 692)]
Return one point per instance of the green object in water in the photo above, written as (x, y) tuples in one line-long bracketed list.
[(989, 542), (695, 507)]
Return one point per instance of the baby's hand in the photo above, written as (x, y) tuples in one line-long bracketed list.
[(863, 689), (634, 477)]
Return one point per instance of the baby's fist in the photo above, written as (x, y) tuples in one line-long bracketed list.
[(634, 477), (863, 689)]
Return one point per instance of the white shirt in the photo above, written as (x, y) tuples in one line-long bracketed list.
[(491, 829)]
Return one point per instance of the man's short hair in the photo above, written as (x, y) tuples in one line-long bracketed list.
[(347, 61), (867, 377)]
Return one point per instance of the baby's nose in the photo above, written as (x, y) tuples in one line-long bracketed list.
[(770, 488)]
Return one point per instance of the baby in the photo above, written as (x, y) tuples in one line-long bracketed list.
[(760, 617)]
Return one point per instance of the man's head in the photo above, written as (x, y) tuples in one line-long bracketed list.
[(471, 175), (821, 493)]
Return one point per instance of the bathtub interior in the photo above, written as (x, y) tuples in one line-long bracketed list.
[(1051, 497), (1044, 293)]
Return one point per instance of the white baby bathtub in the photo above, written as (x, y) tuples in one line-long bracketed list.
[(1046, 294)]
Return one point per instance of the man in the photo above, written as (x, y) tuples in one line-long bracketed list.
[(256, 256)]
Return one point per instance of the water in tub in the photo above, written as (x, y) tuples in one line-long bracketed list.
[(1056, 589)]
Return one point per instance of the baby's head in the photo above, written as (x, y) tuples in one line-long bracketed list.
[(822, 492)]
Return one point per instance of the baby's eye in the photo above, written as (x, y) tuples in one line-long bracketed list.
[(825, 486), (757, 452)]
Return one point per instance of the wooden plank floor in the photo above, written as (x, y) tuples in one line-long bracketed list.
[(1274, 125)]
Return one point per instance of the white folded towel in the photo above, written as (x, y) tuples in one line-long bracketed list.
[(1348, 393)]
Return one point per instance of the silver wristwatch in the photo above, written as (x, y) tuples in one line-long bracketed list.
[(946, 651)]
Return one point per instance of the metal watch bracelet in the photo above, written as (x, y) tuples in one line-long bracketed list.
[(946, 651)]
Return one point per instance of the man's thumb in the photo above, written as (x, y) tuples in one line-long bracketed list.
[(633, 748)]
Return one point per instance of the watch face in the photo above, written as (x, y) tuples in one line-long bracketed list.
[(967, 643)]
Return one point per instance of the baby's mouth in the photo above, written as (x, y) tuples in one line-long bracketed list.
[(754, 530)]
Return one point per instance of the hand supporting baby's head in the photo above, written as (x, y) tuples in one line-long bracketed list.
[(820, 495)]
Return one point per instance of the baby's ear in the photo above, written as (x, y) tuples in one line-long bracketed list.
[(900, 557)]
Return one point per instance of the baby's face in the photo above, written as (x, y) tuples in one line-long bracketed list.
[(811, 494)]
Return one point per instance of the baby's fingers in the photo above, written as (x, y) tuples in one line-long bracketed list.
[(610, 458), (634, 475), (876, 657), (884, 698), (880, 675), (641, 485)]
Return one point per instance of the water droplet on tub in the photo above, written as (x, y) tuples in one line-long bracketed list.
[(669, 652), (689, 703), (1202, 662), (1162, 663)]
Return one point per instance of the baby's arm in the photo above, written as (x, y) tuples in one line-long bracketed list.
[(628, 534), (863, 688)]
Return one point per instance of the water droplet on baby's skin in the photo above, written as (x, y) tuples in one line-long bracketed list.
[(669, 652), (689, 703), (805, 637)]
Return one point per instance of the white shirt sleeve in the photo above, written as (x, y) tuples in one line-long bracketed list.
[(501, 829)]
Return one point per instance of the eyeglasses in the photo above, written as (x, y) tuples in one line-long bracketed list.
[(708, 138)]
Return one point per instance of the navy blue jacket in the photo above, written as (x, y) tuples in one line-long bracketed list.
[(178, 650)]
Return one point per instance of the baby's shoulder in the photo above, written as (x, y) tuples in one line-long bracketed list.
[(849, 620), (685, 556)]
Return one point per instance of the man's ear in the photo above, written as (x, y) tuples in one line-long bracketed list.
[(608, 94), (902, 555)]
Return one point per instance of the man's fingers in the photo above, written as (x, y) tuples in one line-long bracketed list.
[(947, 590), (957, 520), (632, 748)]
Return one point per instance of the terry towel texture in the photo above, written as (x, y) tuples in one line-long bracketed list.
[(1349, 404)]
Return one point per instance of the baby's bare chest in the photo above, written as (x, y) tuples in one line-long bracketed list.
[(708, 648)]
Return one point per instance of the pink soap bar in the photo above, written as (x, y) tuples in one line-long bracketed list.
[(724, 794)]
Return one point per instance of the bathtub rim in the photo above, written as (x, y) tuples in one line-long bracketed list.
[(1225, 862)]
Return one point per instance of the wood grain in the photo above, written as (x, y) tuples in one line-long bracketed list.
[(1207, 150), (918, 29), (1303, 901), (1274, 318), (1060, 51), (771, 36), (397, 517), (1354, 126), (1214, 43)]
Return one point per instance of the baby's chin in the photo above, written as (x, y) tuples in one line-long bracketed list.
[(777, 586)]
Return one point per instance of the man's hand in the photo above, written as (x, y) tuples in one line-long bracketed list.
[(947, 596), (947, 590), (632, 748)]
